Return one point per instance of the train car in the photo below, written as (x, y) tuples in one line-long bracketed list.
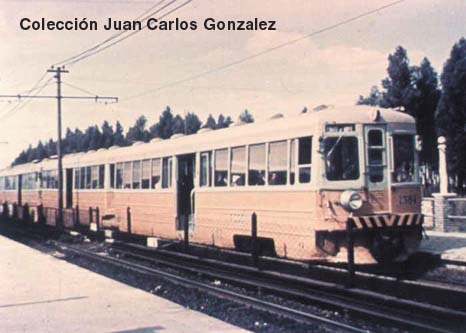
[(307, 177)]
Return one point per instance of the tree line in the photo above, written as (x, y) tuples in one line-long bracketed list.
[(106, 136), (438, 107)]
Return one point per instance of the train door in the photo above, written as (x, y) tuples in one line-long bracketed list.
[(185, 189), (69, 188), (377, 181), (20, 184)]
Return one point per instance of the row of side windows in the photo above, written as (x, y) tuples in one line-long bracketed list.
[(153, 173), (31, 181), (90, 177), (274, 163)]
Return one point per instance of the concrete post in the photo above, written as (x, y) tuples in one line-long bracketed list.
[(441, 205), (443, 173)]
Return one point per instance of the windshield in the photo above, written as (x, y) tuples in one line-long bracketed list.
[(341, 158), (403, 158)]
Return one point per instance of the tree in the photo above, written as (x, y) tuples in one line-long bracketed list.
[(178, 125), (193, 124), (118, 137), (165, 124), (223, 122), (95, 141), (451, 112), (246, 117), (423, 106), (399, 89), (210, 123), (138, 132), (107, 135), (51, 148), (374, 98)]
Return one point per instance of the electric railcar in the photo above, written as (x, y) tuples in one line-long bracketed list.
[(304, 176)]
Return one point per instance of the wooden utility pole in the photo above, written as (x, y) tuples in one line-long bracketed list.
[(58, 72)]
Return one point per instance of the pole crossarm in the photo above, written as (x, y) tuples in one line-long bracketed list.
[(59, 71), (96, 98)]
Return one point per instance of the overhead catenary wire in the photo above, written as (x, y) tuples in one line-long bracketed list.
[(114, 36), (20, 106), (268, 50), (85, 56), (143, 18)]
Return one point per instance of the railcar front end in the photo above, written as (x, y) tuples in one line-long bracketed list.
[(370, 187)]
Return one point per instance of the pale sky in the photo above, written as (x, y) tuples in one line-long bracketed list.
[(334, 67)]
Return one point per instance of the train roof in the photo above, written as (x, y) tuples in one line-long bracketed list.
[(273, 129)]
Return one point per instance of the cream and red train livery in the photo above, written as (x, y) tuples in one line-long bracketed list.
[(304, 176)]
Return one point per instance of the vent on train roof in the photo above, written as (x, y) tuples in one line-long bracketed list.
[(176, 136), (138, 143), (101, 149), (113, 147), (156, 140), (277, 116)]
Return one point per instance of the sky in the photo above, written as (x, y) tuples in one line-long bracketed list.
[(333, 67)]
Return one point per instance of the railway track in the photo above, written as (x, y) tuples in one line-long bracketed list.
[(400, 312), (416, 316)]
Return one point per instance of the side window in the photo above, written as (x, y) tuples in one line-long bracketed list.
[(375, 155), (145, 174), (221, 167), (167, 172), (76, 178), (156, 174), (238, 166), (119, 175), (256, 174), (112, 175), (95, 176), (403, 158), (127, 175), (101, 176), (88, 177), (136, 174), (304, 159), (277, 163), (82, 178), (206, 169)]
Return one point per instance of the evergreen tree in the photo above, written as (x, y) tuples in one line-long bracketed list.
[(399, 88), (107, 135), (68, 143), (246, 117), (193, 124), (423, 107), (118, 137), (178, 126), (51, 148), (223, 122), (210, 123), (95, 142), (138, 132), (451, 112), (165, 125), (78, 140), (374, 98), (41, 152)]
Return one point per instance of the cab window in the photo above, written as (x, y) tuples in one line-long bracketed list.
[(341, 158), (403, 158)]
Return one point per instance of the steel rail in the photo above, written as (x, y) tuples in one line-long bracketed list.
[(257, 303), (352, 304)]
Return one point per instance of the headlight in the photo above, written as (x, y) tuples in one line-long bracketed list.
[(351, 200)]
